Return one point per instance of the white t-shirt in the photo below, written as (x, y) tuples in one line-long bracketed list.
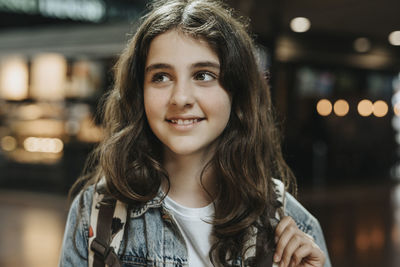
[(195, 230)]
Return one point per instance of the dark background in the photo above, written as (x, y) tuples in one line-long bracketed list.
[(347, 166)]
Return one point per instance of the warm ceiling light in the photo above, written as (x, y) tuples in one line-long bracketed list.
[(300, 24), (394, 38), (362, 45), (324, 107), (365, 108), (13, 78), (341, 107), (30, 112), (380, 108), (8, 143), (49, 73), (47, 145)]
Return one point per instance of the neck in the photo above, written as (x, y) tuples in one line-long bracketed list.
[(187, 186)]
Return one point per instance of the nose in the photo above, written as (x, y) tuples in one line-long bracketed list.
[(182, 94)]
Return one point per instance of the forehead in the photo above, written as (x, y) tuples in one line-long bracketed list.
[(177, 47)]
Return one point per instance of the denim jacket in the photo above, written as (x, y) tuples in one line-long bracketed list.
[(154, 239)]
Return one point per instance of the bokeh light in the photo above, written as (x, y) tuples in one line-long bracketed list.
[(324, 107), (8, 143), (30, 112), (14, 78), (341, 107), (396, 109), (362, 45), (365, 107), (394, 38), (300, 24), (380, 108), (47, 145), (49, 73)]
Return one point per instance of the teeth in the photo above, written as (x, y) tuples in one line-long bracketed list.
[(184, 122)]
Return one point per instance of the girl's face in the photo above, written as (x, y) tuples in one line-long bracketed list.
[(186, 107)]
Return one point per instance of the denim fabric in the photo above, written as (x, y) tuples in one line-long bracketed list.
[(74, 250), (307, 223), (153, 237)]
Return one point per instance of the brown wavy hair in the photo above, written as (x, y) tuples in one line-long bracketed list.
[(248, 152)]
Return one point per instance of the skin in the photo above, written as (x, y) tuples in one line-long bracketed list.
[(181, 83), (294, 247)]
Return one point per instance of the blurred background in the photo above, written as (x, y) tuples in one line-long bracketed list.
[(335, 79)]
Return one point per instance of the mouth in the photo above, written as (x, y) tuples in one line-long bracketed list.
[(185, 121)]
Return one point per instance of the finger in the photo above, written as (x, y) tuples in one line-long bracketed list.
[(287, 220), (294, 243), (283, 233), (309, 236), (309, 253), (301, 253), (288, 232)]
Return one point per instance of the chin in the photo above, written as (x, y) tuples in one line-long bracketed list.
[(185, 148), (183, 151)]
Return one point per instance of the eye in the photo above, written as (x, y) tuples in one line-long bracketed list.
[(205, 76), (160, 78)]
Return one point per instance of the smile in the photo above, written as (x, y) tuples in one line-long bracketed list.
[(185, 121)]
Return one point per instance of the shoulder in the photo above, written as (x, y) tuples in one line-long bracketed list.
[(82, 203), (303, 218), (74, 246), (79, 213)]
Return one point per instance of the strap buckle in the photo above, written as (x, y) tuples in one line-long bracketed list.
[(100, 249), (105, 253)]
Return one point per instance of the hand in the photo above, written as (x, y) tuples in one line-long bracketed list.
[(295, 248)]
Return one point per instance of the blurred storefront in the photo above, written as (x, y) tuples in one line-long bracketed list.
[(52, 75), (44, 121)]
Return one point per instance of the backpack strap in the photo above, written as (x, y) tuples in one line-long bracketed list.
[(103, 252), (107, 223)]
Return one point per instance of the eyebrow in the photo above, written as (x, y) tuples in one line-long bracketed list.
[(201, 64), (206, 64), (157, 66)]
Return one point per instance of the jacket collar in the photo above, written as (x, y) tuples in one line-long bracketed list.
[(156, 202), (137, 211)]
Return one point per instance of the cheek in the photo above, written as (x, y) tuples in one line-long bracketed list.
[(224, 103), (219, 106), (151, 105), (147, 103)]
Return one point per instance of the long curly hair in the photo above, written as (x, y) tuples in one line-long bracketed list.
[(248, 152)]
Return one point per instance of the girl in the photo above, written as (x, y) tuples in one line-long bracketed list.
[(191, 149)]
